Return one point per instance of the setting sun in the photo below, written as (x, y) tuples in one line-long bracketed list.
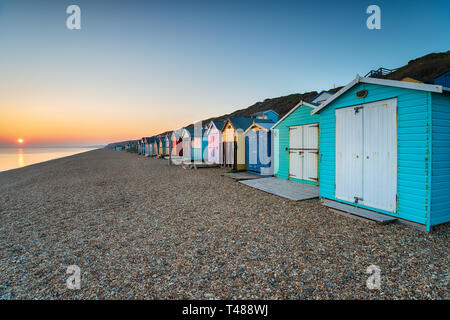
[(20, 140)]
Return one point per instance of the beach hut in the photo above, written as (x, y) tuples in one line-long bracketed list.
[(132, 146), (158, 145), (139, 146), (214, 135), (195, 145), (146, 147), (148, 143), (258, 148), (143, 145), (177, 143), (296, 143), (267, 115), (384, 146), (321, 97), (233, 141), (164, 144), (443, 79), (415, 79), (154, 146)]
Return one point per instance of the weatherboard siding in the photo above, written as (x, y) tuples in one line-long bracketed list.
[(440, 159), (300, 116), (413, 163)]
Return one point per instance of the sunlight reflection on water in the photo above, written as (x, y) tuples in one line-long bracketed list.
[(12, 158), (21, 161)]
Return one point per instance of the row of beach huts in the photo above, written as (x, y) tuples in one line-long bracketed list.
[(378, 145)]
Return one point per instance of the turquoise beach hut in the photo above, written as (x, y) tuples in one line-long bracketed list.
[(296, 144), (385, 146)]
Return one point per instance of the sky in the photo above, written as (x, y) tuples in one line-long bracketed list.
[(139, 68)]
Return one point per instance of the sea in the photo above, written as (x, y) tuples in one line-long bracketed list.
[(12, 158)]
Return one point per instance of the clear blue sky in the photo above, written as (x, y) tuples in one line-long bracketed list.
[(165, 64)]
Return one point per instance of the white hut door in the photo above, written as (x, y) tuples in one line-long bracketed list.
[(349, 145), (213, 146), (380, 155), (295, 155), (311, 151)]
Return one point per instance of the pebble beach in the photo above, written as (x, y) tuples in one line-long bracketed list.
[(141, 229)]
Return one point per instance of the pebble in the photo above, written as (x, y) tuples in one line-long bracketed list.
[(139, 229)]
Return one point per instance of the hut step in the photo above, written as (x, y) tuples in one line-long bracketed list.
[(349, 211)]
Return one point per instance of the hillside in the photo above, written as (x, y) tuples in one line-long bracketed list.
[(427, 67)]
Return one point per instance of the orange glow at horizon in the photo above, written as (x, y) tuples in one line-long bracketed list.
[(43, 118), (45, 124)]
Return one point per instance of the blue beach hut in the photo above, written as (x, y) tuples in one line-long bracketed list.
[(259, 148), (266, 115), (384, 146), (443, 79)]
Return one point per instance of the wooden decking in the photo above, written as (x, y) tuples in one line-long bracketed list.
[(284, 188), (358, 213), (239, 176)]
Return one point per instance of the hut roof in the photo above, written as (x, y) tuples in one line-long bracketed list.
[(244, 122), (192, 132), (383, 82), (219, 124)]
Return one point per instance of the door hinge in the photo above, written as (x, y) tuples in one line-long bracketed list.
[(357, 199), (357, 109)]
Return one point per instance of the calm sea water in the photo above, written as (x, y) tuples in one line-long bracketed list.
[(12, 158)]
